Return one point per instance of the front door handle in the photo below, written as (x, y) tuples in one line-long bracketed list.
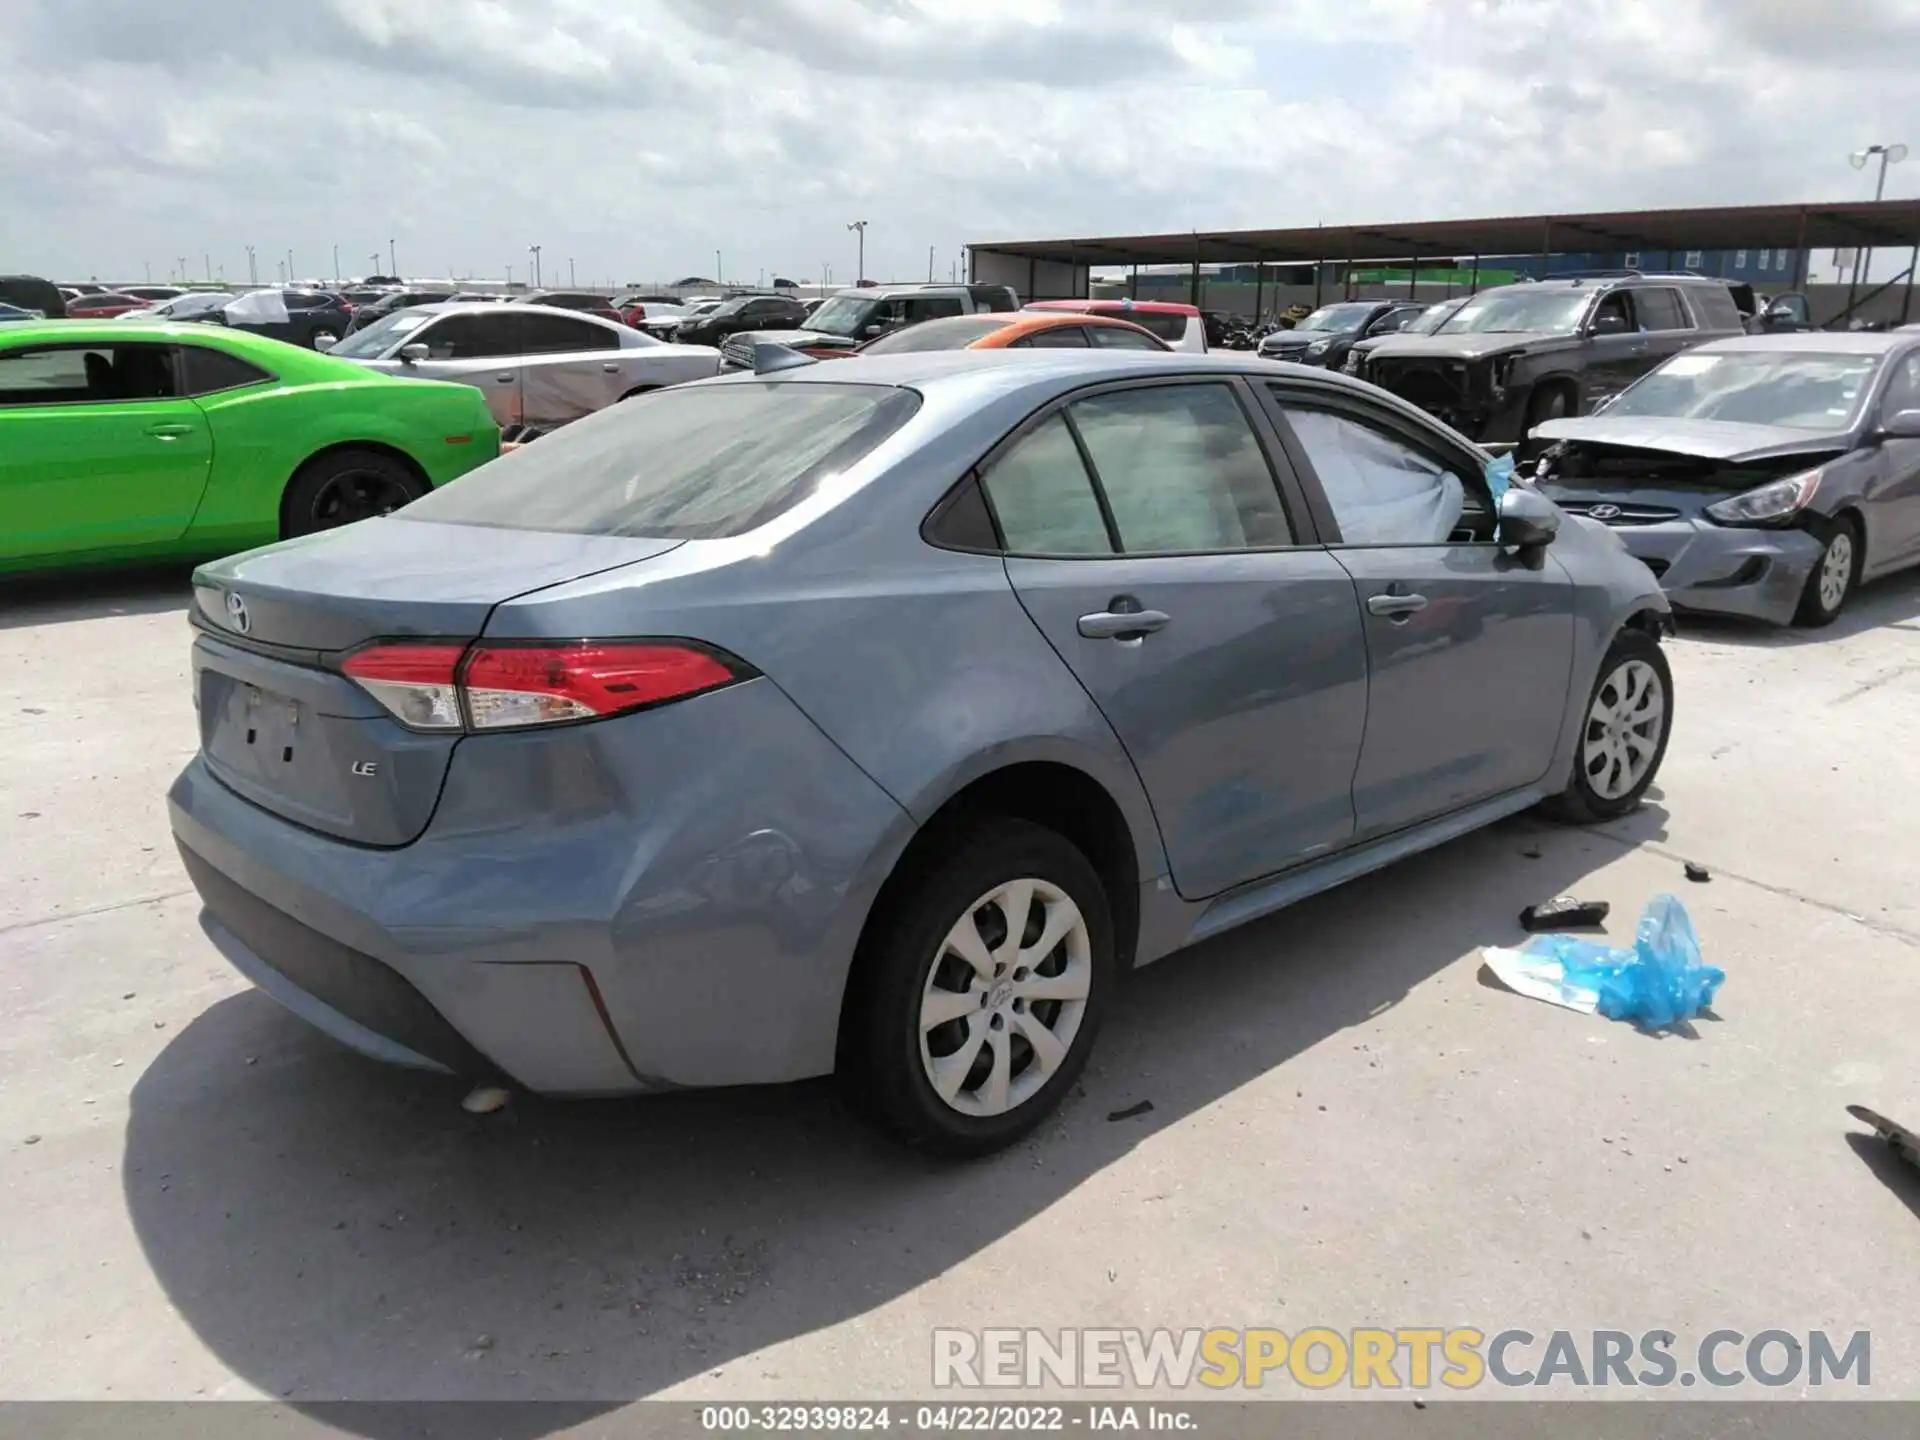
[(171, 430), (1123, 624), (1396, 607), (503, 379), (611, 369)]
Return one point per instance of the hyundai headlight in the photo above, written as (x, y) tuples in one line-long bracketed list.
[(1769, 504)]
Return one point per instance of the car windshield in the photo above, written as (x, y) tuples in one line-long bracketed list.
[(1499, 312), (1432, 318), (842, 315), (1337, 318), (377, 338), (1754, 387), (955, 332), (699, 463)]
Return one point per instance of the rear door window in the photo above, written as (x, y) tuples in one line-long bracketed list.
[(1382, 490), (931, 307), (1659, 308), (1167, 327), (1114, 337), (1043, 496), (1182, 470), (469, 337), (560, 335), (700, 463)]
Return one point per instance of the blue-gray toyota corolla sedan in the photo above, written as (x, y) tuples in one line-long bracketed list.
[(872, 716)]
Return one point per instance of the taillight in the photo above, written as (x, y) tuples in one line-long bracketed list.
[(437, 686), (417, 683)]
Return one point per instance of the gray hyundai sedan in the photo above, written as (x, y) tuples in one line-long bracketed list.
[(1765, 477), (818, 721)]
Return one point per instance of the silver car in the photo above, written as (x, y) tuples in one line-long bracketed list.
[(538, 365), (1765, 477), (873, 718)]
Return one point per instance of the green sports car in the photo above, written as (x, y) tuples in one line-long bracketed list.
[(125, 440)]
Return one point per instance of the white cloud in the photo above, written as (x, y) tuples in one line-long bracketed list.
[(638, 138)]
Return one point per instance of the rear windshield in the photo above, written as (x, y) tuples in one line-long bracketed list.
[(701, 463), (1755, 387), (1167, 324)]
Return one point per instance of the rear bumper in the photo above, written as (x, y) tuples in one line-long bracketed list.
[(663, 900), (1725, 570)]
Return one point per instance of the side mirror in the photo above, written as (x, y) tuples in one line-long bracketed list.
[(1609, 324), (1902, 425), (1528, 520), (876, 328), (413, 354)]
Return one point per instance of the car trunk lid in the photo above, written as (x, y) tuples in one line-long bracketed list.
[(282, 726)]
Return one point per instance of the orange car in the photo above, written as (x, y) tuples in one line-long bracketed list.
[(1015, 330)]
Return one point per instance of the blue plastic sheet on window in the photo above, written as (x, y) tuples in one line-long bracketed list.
[(1499, 476), (1659, 982)]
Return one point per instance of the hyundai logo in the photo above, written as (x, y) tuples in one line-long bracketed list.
[(1605, 513), (237, 617)]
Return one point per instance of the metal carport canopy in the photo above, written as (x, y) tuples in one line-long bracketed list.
[(1842, 224)]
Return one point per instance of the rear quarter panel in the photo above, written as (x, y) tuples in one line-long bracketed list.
[(262, 436)]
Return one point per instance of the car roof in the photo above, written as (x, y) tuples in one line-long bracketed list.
[(1102, 307), (1811, 342), (492, 307), (150, 331), (1003, 371)]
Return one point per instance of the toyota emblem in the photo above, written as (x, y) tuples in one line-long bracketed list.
[(237, 616), (1602, 513)]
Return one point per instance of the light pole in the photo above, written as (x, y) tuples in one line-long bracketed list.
[(573, 281), (183, 269), (861, 266), (393, 261), (289, 267), (336, 264), (1858, 159), (253, 268), (930, 264), (373, 263), (719, 270), (209, 263), (534, 250)]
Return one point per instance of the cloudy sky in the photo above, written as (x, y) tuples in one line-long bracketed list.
[(637, 137)]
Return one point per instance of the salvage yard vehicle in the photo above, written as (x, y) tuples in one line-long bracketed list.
[(126, 440), (873, 717), (1517, 355), (1181, 326), (1425, 323), (535, 365), (313, 318), (741, 314), (1327, 335), (1019, 330), (206, 305), (865, 312), (1766, 477)]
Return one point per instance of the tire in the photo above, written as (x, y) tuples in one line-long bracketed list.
[(1599, 790), (890, 1056), (1548, 402), (343, 486), (1833, 580)]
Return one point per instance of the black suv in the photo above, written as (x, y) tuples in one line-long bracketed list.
[(1517, 355), (1325, 336), (740, 314)]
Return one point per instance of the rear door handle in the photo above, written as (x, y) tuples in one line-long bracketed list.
[(503, 379), (1123, 624), (1396, 607), (611, 369), (171, 430)]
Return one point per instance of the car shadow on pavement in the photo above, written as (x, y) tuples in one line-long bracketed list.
[(34, 600), (334, 1229), (1889, 604), (1895, 1173)]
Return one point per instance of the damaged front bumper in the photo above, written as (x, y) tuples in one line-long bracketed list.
[(1724, 570)]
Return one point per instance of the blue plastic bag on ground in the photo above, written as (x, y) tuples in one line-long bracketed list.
[(1660, 982)]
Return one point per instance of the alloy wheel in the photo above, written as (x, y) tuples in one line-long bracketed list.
[(1836, 571), (357, 495), (1005, 997), (1623, 729)]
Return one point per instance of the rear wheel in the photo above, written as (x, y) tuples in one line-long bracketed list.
[(1831, 584), (1623, 738), (343, 486), (1549, 402), (979, 989)]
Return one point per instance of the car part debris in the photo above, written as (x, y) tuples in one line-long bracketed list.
[(1698, 873), (1564, 913), (1660, 982), (1131, 1111), (1903, 1141)]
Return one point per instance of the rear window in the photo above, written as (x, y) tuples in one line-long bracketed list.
[(1155, 322), (702, 463)]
